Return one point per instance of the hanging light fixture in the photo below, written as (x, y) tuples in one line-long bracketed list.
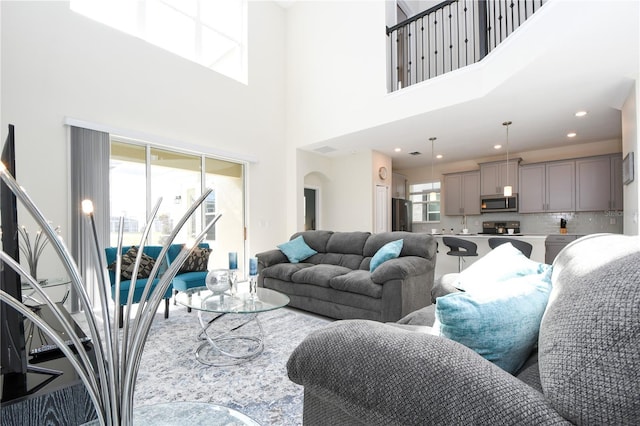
[(508, 190), (433, 196)]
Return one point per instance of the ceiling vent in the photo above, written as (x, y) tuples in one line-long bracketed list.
[(325, 149), (415, 153)]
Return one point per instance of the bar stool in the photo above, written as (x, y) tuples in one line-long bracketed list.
[(523, 246), (461, 248)]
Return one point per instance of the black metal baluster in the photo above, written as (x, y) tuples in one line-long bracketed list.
[(459, 47), (443, 57), (466, 36), (435, 43), (519, 16), (490, 23), (500, 22), (398, 67), (409, 62), (422, 37), (484, 29), (450, 40)]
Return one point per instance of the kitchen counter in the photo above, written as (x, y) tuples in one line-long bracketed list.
[(446, 264)]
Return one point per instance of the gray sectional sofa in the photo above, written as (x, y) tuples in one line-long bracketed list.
[(336, 281), (585, 370)]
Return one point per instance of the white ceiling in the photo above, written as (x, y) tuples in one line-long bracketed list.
[(591, 67)]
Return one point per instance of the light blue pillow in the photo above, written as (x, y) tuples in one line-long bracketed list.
[(388, 251), (501, 322), (500, 264), (297, 250)]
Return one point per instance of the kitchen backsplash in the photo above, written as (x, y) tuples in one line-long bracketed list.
[(530, 223)]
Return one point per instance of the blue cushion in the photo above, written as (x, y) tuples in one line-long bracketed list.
[(500, 322), (500, 264), (296, 250), (137, 293), (388, 251), (187, 280)]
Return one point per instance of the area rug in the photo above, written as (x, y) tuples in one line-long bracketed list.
[(259, 388)]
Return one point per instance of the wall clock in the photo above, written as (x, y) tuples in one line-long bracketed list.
[(382, 172)]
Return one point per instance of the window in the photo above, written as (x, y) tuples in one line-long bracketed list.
[(425, 209), (141, 174), (210, 33)]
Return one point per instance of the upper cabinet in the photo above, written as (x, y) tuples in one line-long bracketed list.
[(547, 187), (496, 175), (399, 186), (599, 183), (462, 193), (616, 182)]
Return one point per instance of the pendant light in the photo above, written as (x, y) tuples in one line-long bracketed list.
[(508, 190), (433, 196)]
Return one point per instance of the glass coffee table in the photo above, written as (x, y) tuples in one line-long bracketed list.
[(28, 292), (178, 413), (194, 413), (230, 346)]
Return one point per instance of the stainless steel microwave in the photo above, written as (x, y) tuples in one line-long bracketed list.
[(499, 203)]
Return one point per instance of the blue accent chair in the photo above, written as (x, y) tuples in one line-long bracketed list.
[(153, 251), (186, 280)]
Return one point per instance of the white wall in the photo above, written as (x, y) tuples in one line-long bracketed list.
[(630, 119), (346, 186), (56, 63), (347, 94), (330, 97), (381, 160)]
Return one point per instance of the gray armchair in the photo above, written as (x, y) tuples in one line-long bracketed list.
[(586, 369)]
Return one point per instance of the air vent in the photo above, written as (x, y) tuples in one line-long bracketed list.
[(415, 153), (325, 149)]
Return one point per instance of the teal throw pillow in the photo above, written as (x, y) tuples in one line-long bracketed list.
[(500, 264), (388, 251), (297, 250), (501, 322)]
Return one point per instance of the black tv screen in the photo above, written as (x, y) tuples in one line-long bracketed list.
[(12, 342)]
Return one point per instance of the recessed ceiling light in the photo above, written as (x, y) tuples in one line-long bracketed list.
[(581, 113), (398, 149), (572, 135), (497, 146), (439, 156)]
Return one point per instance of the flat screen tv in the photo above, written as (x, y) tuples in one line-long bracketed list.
[(12, 342)]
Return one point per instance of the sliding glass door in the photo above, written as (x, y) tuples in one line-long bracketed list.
[(141, 174), (176, 178)]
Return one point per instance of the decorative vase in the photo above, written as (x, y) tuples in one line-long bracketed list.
[(217, 281)]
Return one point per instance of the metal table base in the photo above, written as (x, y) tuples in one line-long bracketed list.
[(212, 347)]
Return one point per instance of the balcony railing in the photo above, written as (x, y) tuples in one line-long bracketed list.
[(451, 35)]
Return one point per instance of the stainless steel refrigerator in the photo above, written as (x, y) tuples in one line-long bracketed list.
[(401, 214)]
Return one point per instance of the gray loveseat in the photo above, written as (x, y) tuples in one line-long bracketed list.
[(586, 369), (336, 281)]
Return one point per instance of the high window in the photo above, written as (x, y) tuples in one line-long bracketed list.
[(210, 33), (425, 207), (141, 174)]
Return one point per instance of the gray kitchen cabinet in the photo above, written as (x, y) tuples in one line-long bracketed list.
[(462, 193), (496, 175), (547, 187), (599, 183), (399, 186), (616, 182)]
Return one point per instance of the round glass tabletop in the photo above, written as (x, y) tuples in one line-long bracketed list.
[(47, 283), (189, 413), (203, 299)]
